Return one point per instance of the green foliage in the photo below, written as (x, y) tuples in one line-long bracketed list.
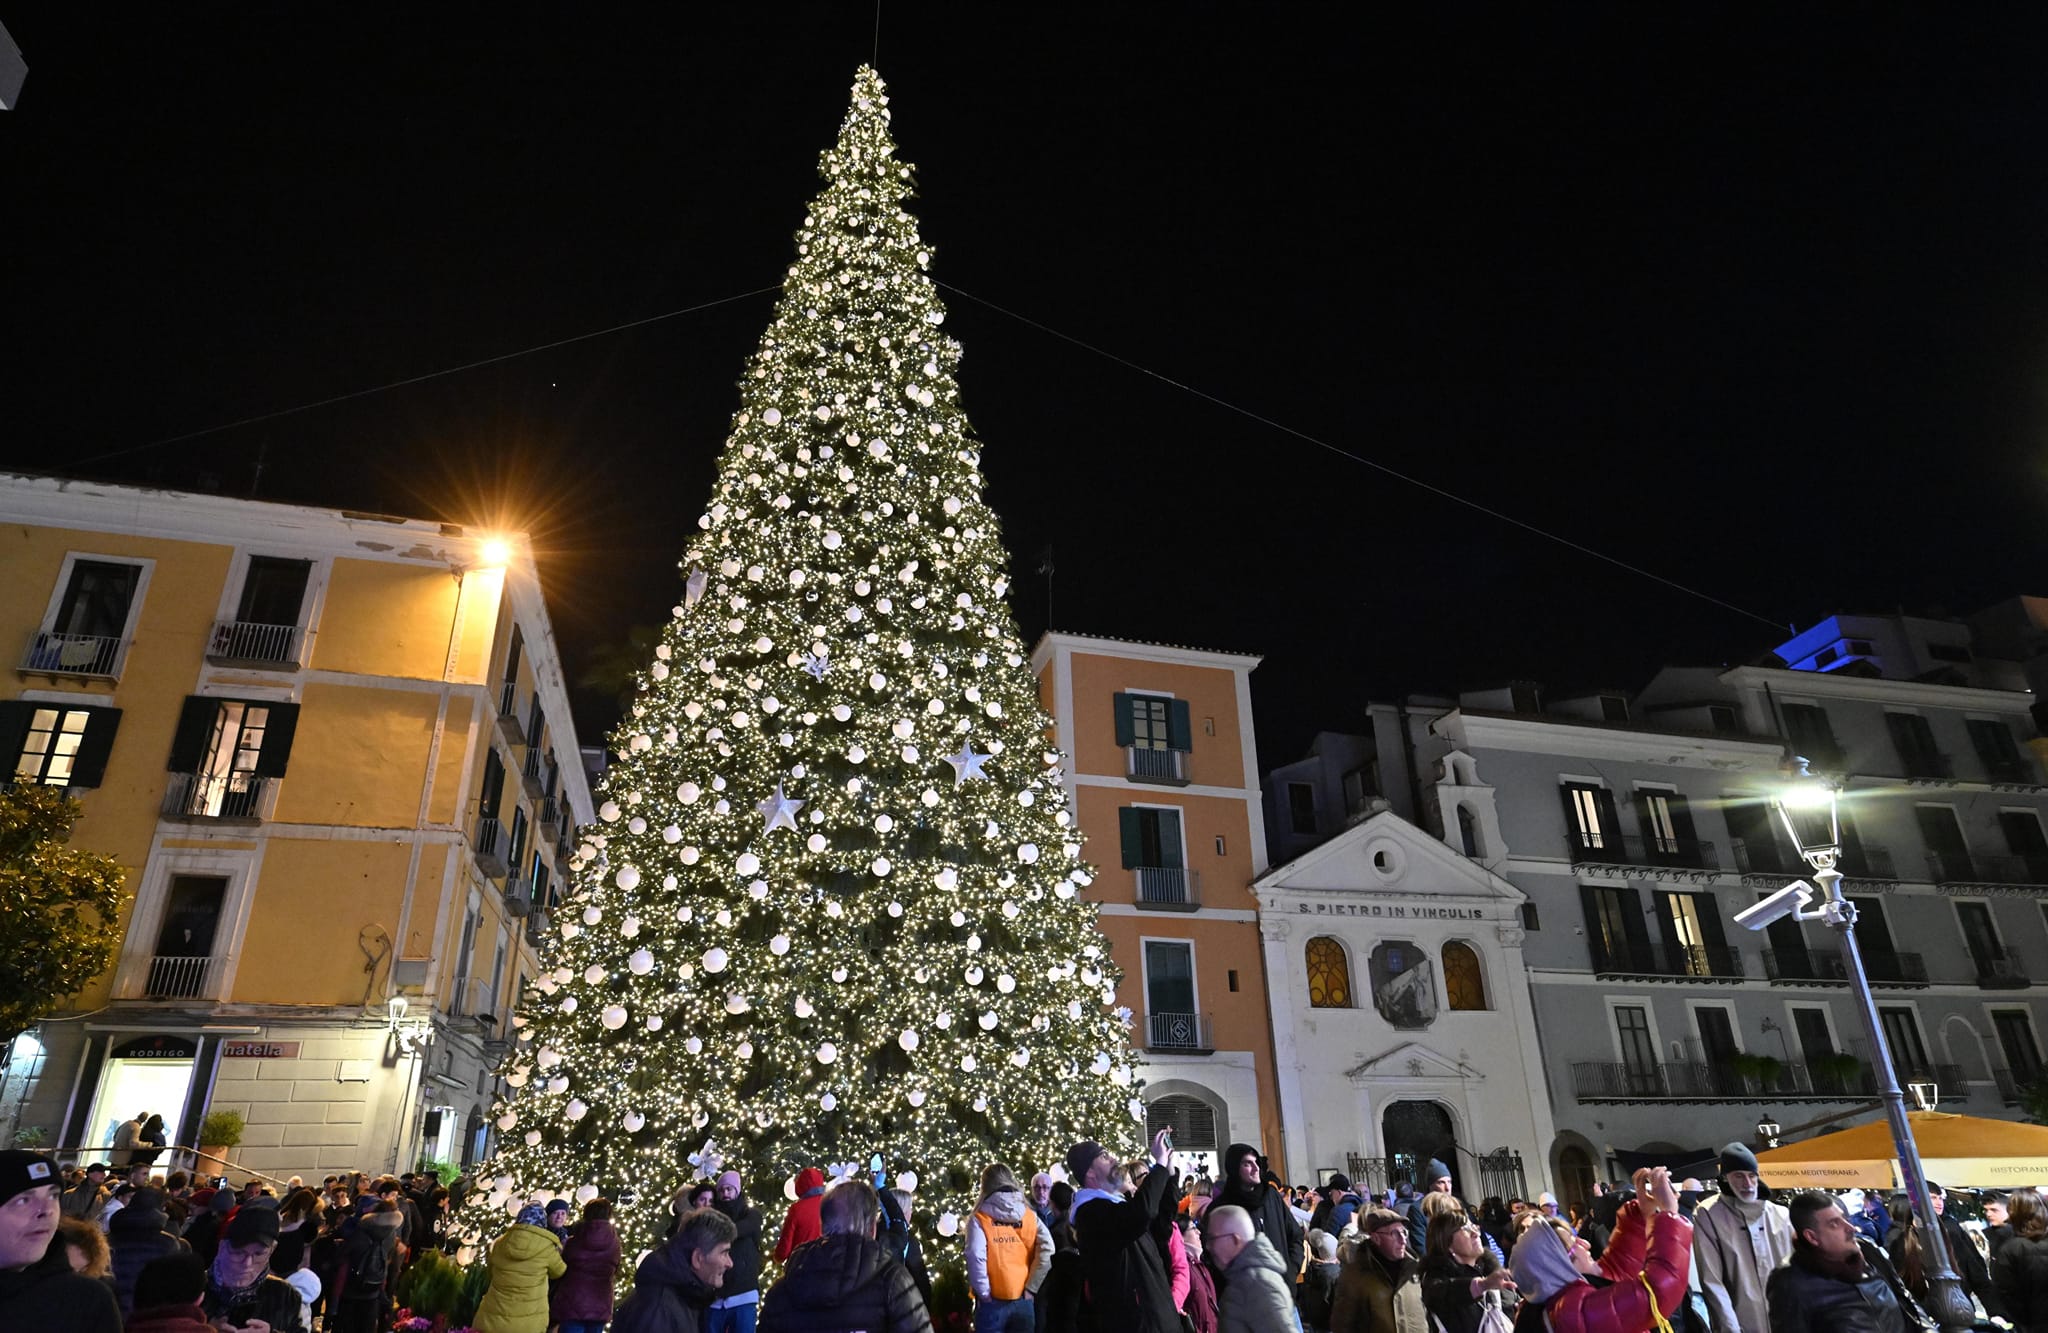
[(2034, 1099), (221, 1129), (434, 1285), (615, 668), (441, 1171), (475, 1282), (31, 1136), (59, 906)]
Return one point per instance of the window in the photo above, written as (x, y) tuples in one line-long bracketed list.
[(2023, 838), (493, 791), (223, 750), (1613, 708), (2016, 1039), (1667, 825), (1902, 1034), (1356, 793), (1153, 722), (1948, 652), (1530, 919), (1999, 753), (1721, 718), (1806, 726), (1464, 986), (1468, 832), (1913, 739), (1151, 836), (1192, 1121), (273, 591), (1231, 977), (1980, 937), (1301, 807), (1638, 1047), (180, 967), (1403, 991), (57, 745), (518, 848), (1754, 830), (1169, 977), (1948, 854), (1589, 818), (1692, 931), (96, 600), (1718, 1049), (1329, 974)]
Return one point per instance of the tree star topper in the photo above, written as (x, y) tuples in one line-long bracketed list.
[(779, 810), (967, 764)]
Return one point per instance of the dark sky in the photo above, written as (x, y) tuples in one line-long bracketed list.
[(1755, 299)]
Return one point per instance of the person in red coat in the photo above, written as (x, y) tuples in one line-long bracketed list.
[(582, 1299), (1566, 1291), (802, 1223)]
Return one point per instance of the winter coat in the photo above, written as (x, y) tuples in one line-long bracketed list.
[(1006, 1248), (1271, 1217), (1874, 1226), (1806, 1296), (591, 1258), (1200, 1306), (369, 1257), (1373, 1298), (1128, 1290), (2021, 1270), (1319, 1293), (1622, 1306), (135, 1236), (521, 1263), (1969, 1264), (292, 1239), (275, 1301), (83, 1201), (841, 1283), (1059, 1297), (801, 1224), (1447, 1292), (186, 1318), (1736, 1257), (125, 1139), (745, 1274), (668, 1296), (48, 1297), (1179, 1272), (1257, 1295)]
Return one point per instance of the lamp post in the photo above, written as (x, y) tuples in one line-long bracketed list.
[(1821, 849), (1767, 1131)]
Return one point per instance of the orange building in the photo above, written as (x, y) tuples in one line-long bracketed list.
[(1164, 781)]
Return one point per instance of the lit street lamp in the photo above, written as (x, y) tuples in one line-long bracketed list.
[(1821, 847), (1767, 1131)]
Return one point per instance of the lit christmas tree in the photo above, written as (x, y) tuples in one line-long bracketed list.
[(830, 908)]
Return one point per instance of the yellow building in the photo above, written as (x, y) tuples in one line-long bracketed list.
[(1164, 780), (333, 753)]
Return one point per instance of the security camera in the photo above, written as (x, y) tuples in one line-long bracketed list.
[(1787, 901)]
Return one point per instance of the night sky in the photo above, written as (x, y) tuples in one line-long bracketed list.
[(1754, 299)]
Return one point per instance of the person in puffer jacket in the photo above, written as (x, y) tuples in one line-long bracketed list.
[(582, 1300), (1008, 1255), (135, 1235), (1837, 1281), (1565, 1291), (675, 1284), (801, 1223), (1258, 1291), (521, 1262), (846, 1279)]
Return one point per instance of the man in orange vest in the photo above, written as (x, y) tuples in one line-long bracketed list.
[(1008, 1255)]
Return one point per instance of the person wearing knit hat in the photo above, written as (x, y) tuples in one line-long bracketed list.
[(239, 1284), (38, 1290), (558, 1218), (522, 1263), (738, 1299), (1244, 1185), (1121, 1262), (1741, 1239)]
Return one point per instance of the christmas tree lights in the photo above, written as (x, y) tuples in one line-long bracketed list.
[(830, 909)]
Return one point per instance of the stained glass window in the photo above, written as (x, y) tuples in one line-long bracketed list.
[(1329, 974)]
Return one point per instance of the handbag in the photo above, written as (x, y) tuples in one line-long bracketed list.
[(1493, 1319)]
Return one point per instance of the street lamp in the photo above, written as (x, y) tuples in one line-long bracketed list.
[(1820, 846), (1767, 1131)]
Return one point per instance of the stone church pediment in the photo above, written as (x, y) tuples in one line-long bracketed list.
[(1412, 1059), (1386, 854)]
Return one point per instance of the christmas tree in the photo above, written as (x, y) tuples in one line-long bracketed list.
[(830, 909)]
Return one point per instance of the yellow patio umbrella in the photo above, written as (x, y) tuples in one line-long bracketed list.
[(1960, 1150)]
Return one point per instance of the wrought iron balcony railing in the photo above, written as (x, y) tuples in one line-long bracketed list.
[(1168, 768), (1718, 1081), (1694, 962), (51, 654), (491, 844), (1629, 850), (2000, 969), (214, 796), (248, 644), (1985, 868), (1174, 888), (181, 977), (1178, 1032)]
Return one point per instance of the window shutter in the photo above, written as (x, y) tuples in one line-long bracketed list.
[(1126, 728), (1596, 934), (1681, 821), (1130, 827), (15, 716), (188, 742), (89, 766), (1610, 823), (1711, 931), (494, 784), (1180, 732), (1169, 839), (1667, 921), (277, 740), (1572, 835)]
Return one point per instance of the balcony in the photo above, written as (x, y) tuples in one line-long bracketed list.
[(509, 721), (1948, 1078), (181, 977), (518, 897), (1976, 868), (2008, 1087), (1764, 858), (529, 771), (230, 797), (1691, 962), (1168, 888), (2011, 772), (82, 655), (1704, 1081), (1613, 849), (492, 845), (244, 643), (1186, 1033), (537, 927), (473, 998), (1927, 766), (1164, 768), (549, 817), (2000, 969)]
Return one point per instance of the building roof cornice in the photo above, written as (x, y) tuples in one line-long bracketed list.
[(1876, 689), (1141, 650), (1481, 729)]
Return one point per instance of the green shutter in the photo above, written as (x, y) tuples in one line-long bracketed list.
[(1126, 727), (1169, 839), (89, 766), (195, 727), (1130, 828), (14, 719), (278, 731), (1180, 735)]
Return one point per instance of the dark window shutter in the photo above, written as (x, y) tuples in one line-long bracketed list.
[(1681, 821), (90, 764), (1131, 828), (1126, 729), (494, 784), (1169, 838), (1610, 823), (15, 716), (1667, 921), (1597, 942), (1180, 732), (195, 725), (1711, 930), (1572, 834), (277, 740)]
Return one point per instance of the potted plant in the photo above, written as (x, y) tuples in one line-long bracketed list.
[(1838, 1072), (1761, 1070), (31, 1137), (220, 1131)]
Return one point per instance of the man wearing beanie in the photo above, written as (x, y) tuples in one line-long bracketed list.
[(1124, 1272), (1244, 1186), (239, 1284), (38, 1290), (1436, 1179), (138, 1234), (1336, 1208), (1740, 1238), (739, 1296)]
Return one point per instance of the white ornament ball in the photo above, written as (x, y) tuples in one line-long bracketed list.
[(672, 835), (592, 915), (908, 1039), (930, 798), (949, 1223), (608, 812), (737, 1004), (654, 1022), (694, 1046), (576, 1109), (827, 1053), (747, 864), (804, 1008), (827, 1102), (779, 945), (688, 793), (715, 959), (507, 1120), (916, 1097), (1028, 853), (585, 1193), (640, 963), (613, 1017), (771, 417), (880, 865), (628, 878)]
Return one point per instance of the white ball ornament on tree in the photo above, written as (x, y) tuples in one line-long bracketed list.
[(627, 878), (827, 1053), (747, 863), (613, 1017), (576, 1109), (715, 959), (908, 1039), (779, 945), (608, 812)]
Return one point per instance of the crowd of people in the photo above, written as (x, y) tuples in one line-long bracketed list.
[(1093, 1245)]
